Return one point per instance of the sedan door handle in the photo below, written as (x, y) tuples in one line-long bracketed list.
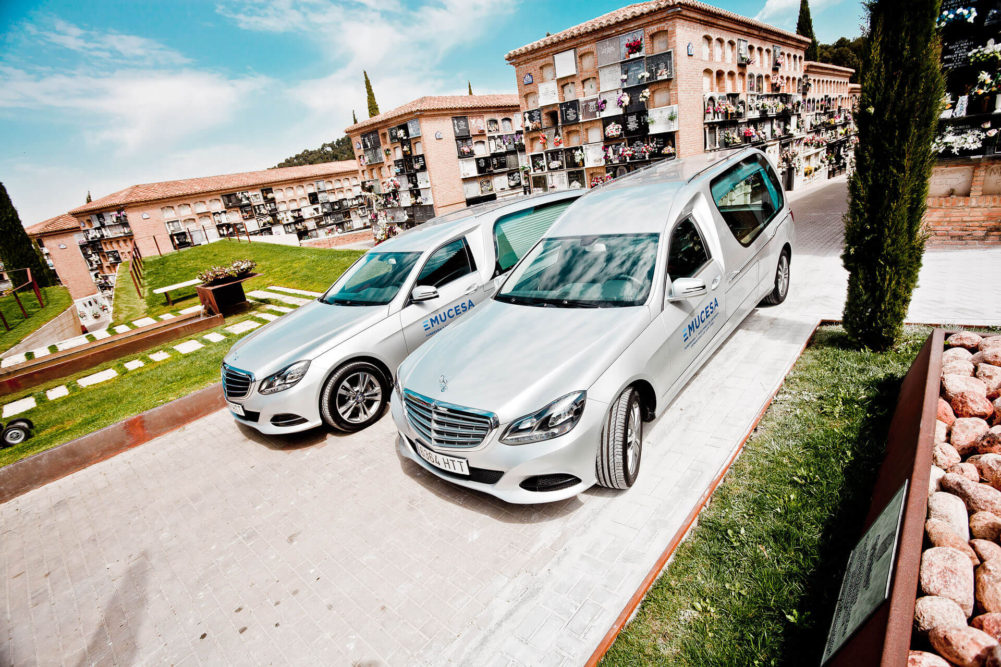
[(471, 289), (730, 277), (715, 283)]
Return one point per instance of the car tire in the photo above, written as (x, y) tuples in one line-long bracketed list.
[(354, 397), (780, 290), (621, 447), (14, 435)]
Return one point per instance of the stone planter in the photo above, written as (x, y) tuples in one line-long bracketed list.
[(224, 298)]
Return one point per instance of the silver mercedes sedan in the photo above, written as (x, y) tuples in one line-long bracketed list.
[(544, 391), (331, 361)]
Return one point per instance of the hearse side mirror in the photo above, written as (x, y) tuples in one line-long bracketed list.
[(423, 293), (686, 288)]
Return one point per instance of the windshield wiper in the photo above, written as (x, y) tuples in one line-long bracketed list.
[(347, 302), (525, 300), (571, 303)]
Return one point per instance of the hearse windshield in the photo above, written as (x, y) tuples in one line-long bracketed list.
[(605, 271), (373, 280)]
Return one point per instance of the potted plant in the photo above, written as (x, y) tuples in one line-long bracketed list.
[(221, 290)]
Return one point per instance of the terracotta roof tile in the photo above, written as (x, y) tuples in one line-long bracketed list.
[(60, 223), (149, 192), (438, 103), (641, 9), (827, 68)]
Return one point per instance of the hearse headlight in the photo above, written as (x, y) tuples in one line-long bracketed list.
[(397, 388), (554, 420), (284, 379)]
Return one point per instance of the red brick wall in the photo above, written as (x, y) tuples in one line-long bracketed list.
[(69, 263), (340, 240), (973, 220)]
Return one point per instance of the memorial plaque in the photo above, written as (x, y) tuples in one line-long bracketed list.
[(955, 52), (950, 182), (548, 93), (866, 584), (589, 108), (992, 180), (608, 51)]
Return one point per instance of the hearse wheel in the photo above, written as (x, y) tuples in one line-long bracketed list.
[(354, 397), (621, 447), (15, 434), (781, 288)]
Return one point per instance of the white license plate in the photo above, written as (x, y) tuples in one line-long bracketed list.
[(237, 409), (449, 463)]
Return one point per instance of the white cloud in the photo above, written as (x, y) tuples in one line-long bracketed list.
[(106, 45), (131, 109), (784, 13)]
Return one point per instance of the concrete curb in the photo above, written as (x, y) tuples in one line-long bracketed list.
[(39, 469)]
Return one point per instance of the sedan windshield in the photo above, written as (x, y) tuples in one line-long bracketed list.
[(373, 280), (607, 271)]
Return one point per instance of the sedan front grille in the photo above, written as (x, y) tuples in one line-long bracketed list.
[(444, 425), (236, 383)]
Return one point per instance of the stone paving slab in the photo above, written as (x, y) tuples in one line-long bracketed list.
[(279, 309), (167, 316), (57, 392), (13, 360), (122, 328), (291, 290), (241, 327), (71, 343), (41, 352), (188, 346), (160, 356), (134, 364), (270, 317), (143, 321), (17, 407), (97, 378), (214, 337), (214, 544), (100, 335), (191, 309), (275, 296)]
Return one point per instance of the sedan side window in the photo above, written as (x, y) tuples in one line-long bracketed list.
[(687, 253), (516, 233), (447, 263), (748, 197)]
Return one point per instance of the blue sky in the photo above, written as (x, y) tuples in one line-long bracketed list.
[(101, 95)]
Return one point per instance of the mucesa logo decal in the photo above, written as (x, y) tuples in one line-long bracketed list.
[(700, 323), (437, 322)]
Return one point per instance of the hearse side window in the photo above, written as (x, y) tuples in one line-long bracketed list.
[(516, 233), (447, 263), (748, 197), (687, 253)]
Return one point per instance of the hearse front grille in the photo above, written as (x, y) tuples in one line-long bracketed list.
[(236, 383), (445, 425)]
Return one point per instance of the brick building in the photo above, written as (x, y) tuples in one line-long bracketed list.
[(438, 154), (283, 205), (668, 78)]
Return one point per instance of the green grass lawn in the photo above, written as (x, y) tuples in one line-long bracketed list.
[(287, 266), (128, 306), (56, 300), (756, 581)]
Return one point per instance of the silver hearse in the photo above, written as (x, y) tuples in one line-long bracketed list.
[(544, 391), (331, 361)]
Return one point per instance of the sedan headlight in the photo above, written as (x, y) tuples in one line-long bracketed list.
[(284, 379), (397, 389), (555, 419)]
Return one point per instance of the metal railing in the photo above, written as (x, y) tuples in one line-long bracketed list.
[(12, 289)]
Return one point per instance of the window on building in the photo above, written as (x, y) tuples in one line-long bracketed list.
[(718, 50), (748, 196), (731, 82), (659, 41), (448, 263), (707, 45), (687, 252), (731, 51)]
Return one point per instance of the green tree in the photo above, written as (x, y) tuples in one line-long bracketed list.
[(845, 53), (470, 87), (898, 110), (804, 27), (17, 250), (328, 152), (88, 197), (373, 106), (354, 118)]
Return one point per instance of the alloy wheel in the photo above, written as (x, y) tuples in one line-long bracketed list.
[(782, 276), (634, 437), (358, 397)]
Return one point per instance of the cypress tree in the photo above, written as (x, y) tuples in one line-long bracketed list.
[(354, 118), (373, 106), (17, 250), (88, 197), (898, 111), (470, 87), (804, 27)]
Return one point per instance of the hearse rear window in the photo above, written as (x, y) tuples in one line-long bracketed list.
[(748, 197)]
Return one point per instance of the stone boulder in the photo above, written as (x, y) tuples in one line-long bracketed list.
[(967, 470), (990, 442), (991, 355), (989, 467), (990, 376), (934, 478), (989, 623), (977, 497), (925, 659), (971, 404), (988, 585), (952, 510), (941, 534), (956, 354), (941, 431), (983, 525), (935, 611), (962, 645), (966, 433), (944, 413), (947, 572), (967, 339), (989, 342), (944, 455), (986, 550), (997, 411), (952, 385), (993, 657), (958, 368)]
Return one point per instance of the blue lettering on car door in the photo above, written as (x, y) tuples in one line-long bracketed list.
[(436, 322), (700, 323)]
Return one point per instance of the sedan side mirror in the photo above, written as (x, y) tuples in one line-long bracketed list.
[(423, 293), (686, 288)]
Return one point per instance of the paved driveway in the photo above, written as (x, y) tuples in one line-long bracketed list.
[(217, 545)]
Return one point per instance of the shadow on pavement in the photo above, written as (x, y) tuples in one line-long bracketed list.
[(314, 437), (121, 619)]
